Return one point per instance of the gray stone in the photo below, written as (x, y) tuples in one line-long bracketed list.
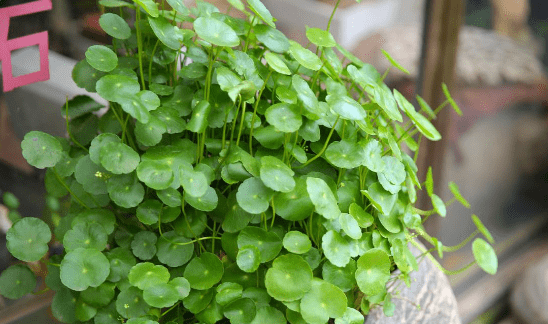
[(430, 289)]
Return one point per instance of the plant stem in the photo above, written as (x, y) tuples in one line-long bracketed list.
[(332, 15), (255, 112), (323, 148), (140, 47), (67, 188)]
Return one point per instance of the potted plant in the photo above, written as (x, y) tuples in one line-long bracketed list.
[(243, 179)]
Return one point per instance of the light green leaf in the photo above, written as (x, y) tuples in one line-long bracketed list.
[(485, 256), (130, 303), (323, 301), (456, 192), (345, 154), (363, 218), (483, 230), (394, 63), (28, 239), (166, 32), (373, 272), (342, 277), (161, 295), (83, 268), (289, 279), (260, 10), (439, 205), (41, 150), (304, 56), (336, 248), (101, 58), (248, 258), (320, 37), (253, 196), (381, 199), (241, 310), (276, 63), (322, 197), (88, 236), (125, 190), (216, 32), (149, 6), (204, 271), (297, 242), (373, 153), (276, 175), (350, 316), (272, 38), (268, 243), (350, 226), (17, 281), (174, 250), (146, 274), (115, 87), (115, 26)]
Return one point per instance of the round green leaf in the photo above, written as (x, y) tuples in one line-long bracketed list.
[(87, 236), (363, 218), (276, 63), (253, 196), (174, 250), (290, 278), (297, 242), (276, 175), (125, 190), (350, 226), (483, 230), (86, 76), (304, 56), (320, 37), (373, 271), (269, 314), (342, 277), (99, 296), (235, 218), (98, 142), (345, 154), (103, 217), (133, 105), (150, 134), (336, 248), (115, 87), (350, 316), (17, 281), (107, 315), (381, 199), (121, 261), (88, 174), (170, 117), (194, 183), (346, 107), (144, 275), (373, 153), (394, 170), (216, 32), (260, 10), (296, 204), (207, 202), (322, 197), (101, 58), (82, 268), (41, 150), (144, 245), (485, 256), (149, 211), (274, 39), (166, 32), (155, 174), (170, 197), (248, 258), (228, 292), (204, 271), (193, 224), (198, 300), (149, 6), (119, 158), (284, 117), (323, 301), (130, 303), (161, 295), (63, 305), (140, 320), (182, 285), (28, 239), (242, 310), (268, 243), (115, 26)]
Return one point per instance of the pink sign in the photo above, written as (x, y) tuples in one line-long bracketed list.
[(6, 46)]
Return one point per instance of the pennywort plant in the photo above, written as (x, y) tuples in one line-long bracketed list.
[(235, 177)]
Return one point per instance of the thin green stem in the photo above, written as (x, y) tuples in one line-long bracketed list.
[(255, 112), (323, 148), (332, 15), (150, 63), (140, 47), (62, 182), (68, 128), (437, 264)]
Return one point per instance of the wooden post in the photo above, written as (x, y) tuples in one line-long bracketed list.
[(442, 22)]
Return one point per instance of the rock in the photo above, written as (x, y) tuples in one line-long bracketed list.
[(430, 289), (529, 297)]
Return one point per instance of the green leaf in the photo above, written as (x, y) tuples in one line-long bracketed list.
[(10, 200), (170, 197), (82, 268), (350, 226), (276, 63), (140, 320), (204, 272), (63, 305), (115, 26), (194, 183), (115, 3), (125, 190), (253, 196), (381, 199), (167, 33), (304, 56), (161, 295), (276, 175), (103, 217), (345, 154), (346, 107), (79, 106), (156, 175), (87, 236), (174, 250), (130, 303), (342, 277), (144, 275), (198, 300), (320, 37), (485, 256), (373, 153), (450, 99), (307, 97), (439, 205), (455, 190), (350, 316), (133, 105), (297, 242), (289, 279), (385, 99), (394, 170), (121, 261), (269, 314), (349, 56), (336, 248), (182, 285), (99, 296), (178, 6), (363, 218), (482, 229), (107, 315), (322, 302), (28, 239), (41, 150), (149, 6), (119, 158), (248, 258), (429, 182), (216, 32), (394, 63), (272, 38), (115, 87), (149, 211), (296, 204), (98, 142), (322, 197), (149, 99), (284, 117), (207, 202), (241, 310), (144, 245), (198, 121), (260, 10), (373, 271), (83, 311), (101, 58), (88, 174), (17, 281), (228, 292), (268, 243), (85, 76)]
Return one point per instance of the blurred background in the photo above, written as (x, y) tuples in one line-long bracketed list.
[(497, 152)]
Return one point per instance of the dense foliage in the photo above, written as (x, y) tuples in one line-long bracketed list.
[(236, 176)]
